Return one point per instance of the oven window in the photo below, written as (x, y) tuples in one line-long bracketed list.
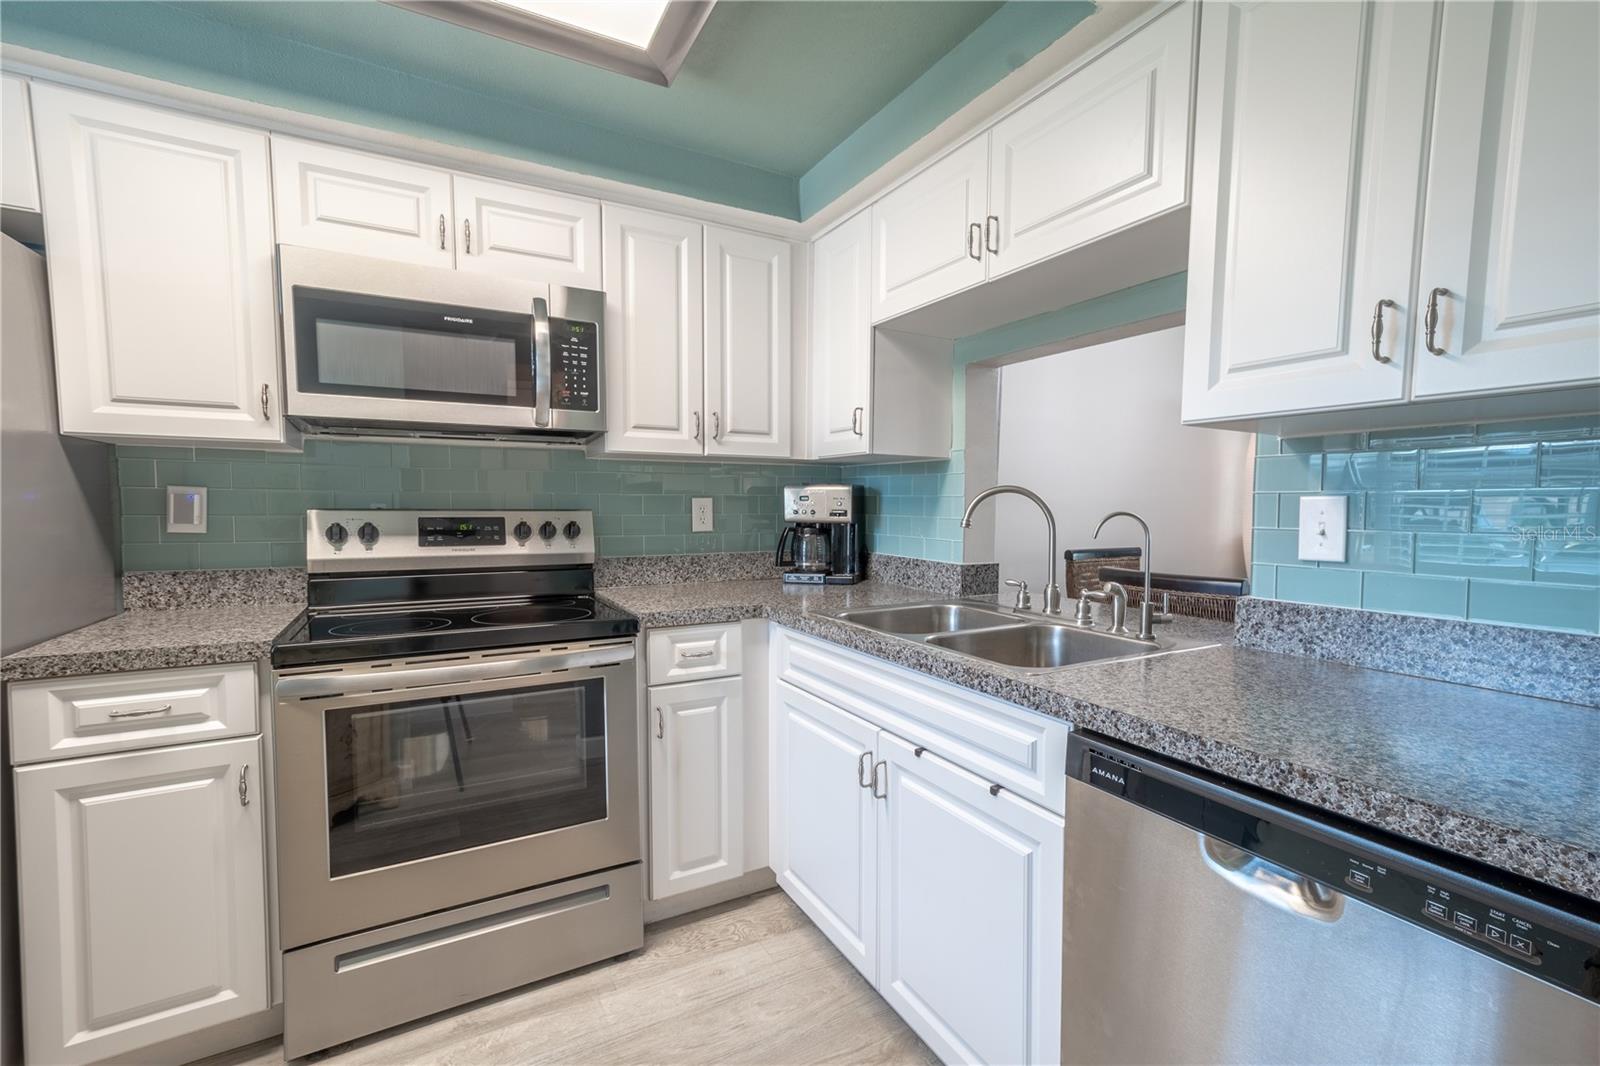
[(355, 345), (427, 777)]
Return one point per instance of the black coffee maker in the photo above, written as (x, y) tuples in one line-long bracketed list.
[(822, 534)]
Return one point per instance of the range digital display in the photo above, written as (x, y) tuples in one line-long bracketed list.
[(448, 532)]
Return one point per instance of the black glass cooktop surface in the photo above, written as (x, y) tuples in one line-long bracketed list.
[(356, 634)]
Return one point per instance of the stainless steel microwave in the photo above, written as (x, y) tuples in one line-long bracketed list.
[(382, 347)]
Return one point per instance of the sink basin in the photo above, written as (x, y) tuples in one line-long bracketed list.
[(1040, 646), (927, 618)]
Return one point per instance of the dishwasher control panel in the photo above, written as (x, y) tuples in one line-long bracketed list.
[(1326, 857)]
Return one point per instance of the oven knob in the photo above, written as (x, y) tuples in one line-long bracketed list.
[(572, 530), (547, 530), (336, 534), (522, 532), (367, 534)]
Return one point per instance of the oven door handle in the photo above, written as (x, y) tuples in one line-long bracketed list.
[(354, 683), (542, 357)]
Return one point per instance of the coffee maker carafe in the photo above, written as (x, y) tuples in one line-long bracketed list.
[(821, 538)]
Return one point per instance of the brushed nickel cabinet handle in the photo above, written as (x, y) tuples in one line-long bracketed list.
[(466, 233), (861, 770), (146, 713), (975, 241), (991, 234), (885, 768), (244, 785), (441, 233), (697, 426), (1430, 322), (1377, 330), (266, 410), (716, 425), (661, 725), (708, 653), (855, 420)]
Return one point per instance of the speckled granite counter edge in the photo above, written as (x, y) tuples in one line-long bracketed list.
[(1532, 662), (248, 587), (1553, 862), (117, 661)]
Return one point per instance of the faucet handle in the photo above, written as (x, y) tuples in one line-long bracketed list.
[(1165, 614), (1024, 600)]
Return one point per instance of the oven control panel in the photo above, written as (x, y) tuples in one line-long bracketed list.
[(351, 541), (574, 365)]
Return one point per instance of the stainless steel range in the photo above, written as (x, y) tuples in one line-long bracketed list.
[(456, 741)]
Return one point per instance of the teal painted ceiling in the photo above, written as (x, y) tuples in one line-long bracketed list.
[(780, 106)]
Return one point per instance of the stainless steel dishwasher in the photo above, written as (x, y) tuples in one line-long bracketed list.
[(1206, 924)]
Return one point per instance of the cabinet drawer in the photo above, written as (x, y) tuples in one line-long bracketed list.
[(693, 653), (67, 718), (1023, 750)]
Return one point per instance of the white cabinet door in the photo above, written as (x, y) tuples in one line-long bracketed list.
[(970, 885), (927, 235), (841, 339), (1310, 124), (517, 232), (1106, 148), (159, 227), (748, 333), (143, 897), (696, 785), (826, 823), (350, 201), (655, 333), (19, 176), (1512, 230)]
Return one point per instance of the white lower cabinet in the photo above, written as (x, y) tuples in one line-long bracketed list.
[(142, 887), (826, 820), (697, 785), (942, 886)]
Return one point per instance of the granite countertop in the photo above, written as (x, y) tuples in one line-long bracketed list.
[(1505, 779), (155, 639)]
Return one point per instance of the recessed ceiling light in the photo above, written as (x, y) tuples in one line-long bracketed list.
[(644, 39)]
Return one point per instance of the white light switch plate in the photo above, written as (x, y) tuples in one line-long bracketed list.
[(1323, 520), (700, 514), (186, 509)]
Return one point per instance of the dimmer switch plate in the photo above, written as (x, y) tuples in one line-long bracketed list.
[(186, 509), (1323, 520)]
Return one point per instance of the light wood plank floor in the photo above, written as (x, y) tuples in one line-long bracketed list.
[(750, 982)]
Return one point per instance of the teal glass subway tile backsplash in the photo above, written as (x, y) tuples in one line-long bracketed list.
[(257, 500), (1495, 522), (914, 509)]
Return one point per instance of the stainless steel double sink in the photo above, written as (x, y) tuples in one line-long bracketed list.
[(996, 636)]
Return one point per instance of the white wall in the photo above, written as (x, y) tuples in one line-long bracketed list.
[(1097, 429)]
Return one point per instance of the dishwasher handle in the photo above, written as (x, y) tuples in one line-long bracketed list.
[(1275, 885)]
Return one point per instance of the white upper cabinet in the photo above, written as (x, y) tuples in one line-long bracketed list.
[(1309, 134), (350, 201), (1512, 228), (143, 897), (927, 235), (19, 175), (517, 232), (1104, 149), (749, 331), (841, 339), (159, 228), (697, 795), (825, 831), (654, 333), (970, 905)]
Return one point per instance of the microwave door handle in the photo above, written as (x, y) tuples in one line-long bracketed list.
[(542, 357)]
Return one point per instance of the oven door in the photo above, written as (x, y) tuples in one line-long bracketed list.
[(406, 788), (369, 342)]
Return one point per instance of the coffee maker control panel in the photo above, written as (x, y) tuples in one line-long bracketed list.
[(823, 504)]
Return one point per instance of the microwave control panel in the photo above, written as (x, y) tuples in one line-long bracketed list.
[(574, 365)]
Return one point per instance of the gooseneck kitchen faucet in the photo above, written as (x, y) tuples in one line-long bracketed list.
[(1052, 591), (1147, 612)]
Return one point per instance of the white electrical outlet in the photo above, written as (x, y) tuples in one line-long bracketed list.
[(1323, 520), (700, 514)]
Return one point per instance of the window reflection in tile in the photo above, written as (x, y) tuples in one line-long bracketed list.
[(1358, 471), (1473, 555), (1430, 511), (1501, 466)]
